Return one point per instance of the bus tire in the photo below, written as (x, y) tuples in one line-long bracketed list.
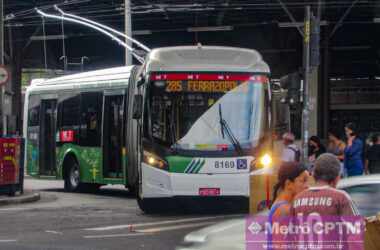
[(72, 177)]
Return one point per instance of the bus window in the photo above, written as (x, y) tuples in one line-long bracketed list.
[(34, 111), (33, 132), (187, 114), (113, 136), (70, 113), (68, 118), (91, 115)]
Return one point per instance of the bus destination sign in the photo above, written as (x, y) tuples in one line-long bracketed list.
[(211, 83), (200, 86)]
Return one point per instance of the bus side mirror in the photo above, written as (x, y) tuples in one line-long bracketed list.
[(137, 107)]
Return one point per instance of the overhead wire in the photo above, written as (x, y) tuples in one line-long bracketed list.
[(43, 7), (120, 42), (146, 9), (104, 27), (108, 13)]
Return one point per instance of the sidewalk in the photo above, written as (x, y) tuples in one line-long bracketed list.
[(27, 196)]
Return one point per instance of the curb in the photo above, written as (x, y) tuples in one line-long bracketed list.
[(24, 198)]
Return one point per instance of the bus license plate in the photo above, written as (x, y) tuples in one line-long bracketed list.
[(209, 191)]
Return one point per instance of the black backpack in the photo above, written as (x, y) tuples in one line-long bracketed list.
[(297, 153)]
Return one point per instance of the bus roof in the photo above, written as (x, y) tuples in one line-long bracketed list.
[(180, 58), (98, 77), (206, 58)]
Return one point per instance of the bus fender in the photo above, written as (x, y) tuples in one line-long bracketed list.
[(69, 153)]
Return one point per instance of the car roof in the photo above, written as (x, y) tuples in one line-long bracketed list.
[(359, 180)]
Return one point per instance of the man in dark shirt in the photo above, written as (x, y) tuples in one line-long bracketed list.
[(372, 163)]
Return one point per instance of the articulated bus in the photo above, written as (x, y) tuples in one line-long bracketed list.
[(192, 121)]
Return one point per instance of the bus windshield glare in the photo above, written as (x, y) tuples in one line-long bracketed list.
[(208, 112)]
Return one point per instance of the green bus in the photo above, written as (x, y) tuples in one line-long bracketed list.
[(192, 121)]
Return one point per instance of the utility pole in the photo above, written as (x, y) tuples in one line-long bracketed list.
[(3, 116), (306, 82), (128, 31)]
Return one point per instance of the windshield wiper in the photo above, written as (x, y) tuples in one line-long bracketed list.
[(173, 133), (226, 128)]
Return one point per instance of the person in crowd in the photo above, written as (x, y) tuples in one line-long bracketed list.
[(290, 153), (316, 148), (324, 197), (325, 201), (292, 179), (372, 162), (335, 145), (353, 153)]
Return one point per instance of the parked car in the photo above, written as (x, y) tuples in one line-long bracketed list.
[(364, 191), (230, 235)]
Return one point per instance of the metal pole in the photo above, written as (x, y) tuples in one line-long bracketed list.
[(44, 34), (291, 17), (326, 84), (3, 116), (128, 31), (306, 110), (63, 47)]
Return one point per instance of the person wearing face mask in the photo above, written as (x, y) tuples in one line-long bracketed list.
[(316, 148), (353, 153)]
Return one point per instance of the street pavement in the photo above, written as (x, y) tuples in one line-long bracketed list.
[(107, 219)]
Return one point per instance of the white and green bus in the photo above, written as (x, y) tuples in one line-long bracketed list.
[(192, 121)]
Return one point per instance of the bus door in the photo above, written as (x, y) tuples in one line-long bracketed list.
[(48, 137), (113, 118)]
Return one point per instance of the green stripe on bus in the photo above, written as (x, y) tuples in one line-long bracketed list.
[(195, 166), (178, 164), (199, 167)]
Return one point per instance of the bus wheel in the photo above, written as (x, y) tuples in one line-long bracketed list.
[(72, 178)]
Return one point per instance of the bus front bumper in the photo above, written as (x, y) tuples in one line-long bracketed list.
[(157, 183)]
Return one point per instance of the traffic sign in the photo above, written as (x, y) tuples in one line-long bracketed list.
[(4, 75)]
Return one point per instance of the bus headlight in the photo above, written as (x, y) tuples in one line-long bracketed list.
[(265, 161), (155, 161)]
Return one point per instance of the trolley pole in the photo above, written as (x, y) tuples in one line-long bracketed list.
[(3, 116), (128, 31), (306, 99)]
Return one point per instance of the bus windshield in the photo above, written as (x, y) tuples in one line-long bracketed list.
[(208, 112)]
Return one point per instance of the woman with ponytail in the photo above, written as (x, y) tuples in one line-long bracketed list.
[(292, 179)]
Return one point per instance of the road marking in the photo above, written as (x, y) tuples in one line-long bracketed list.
[(7, 241), (171, 228), (107, 228), (53, 232), (13, 209), (114, 235)]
